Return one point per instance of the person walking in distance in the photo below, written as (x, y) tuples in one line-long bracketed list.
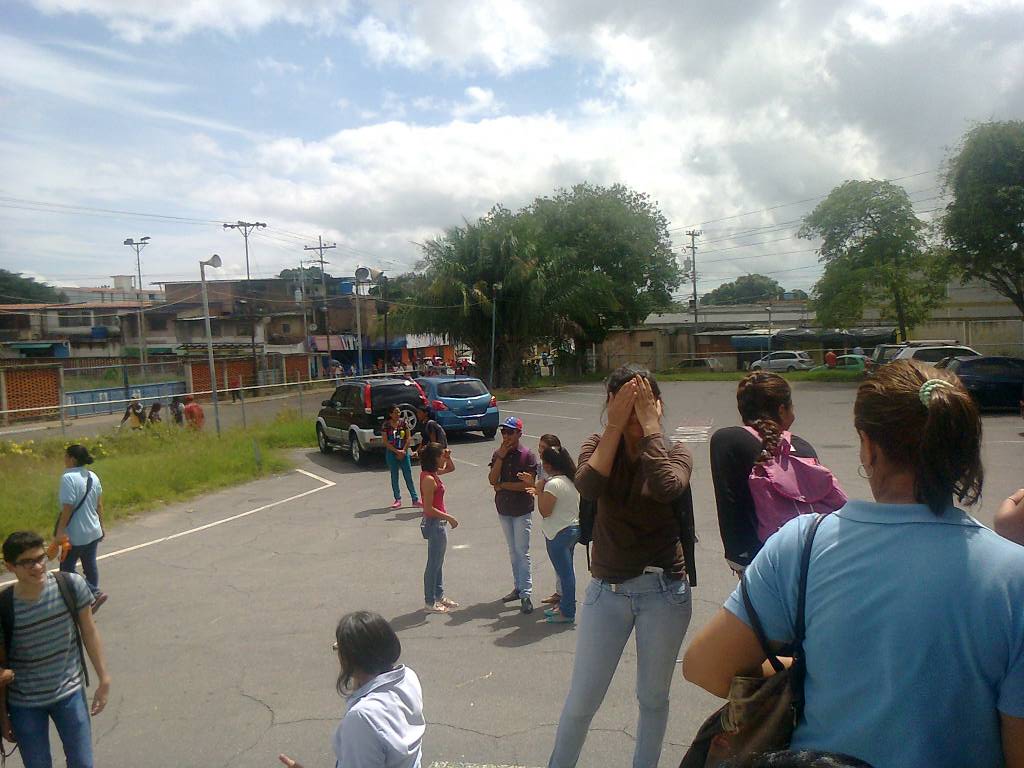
[(396, 442), (177, 411), (81, 518), (194, 416), (640, 564), (558, 502), (47, 619), (508, 466), (429, 429), (134, 414), (435, 461), (383, 725)]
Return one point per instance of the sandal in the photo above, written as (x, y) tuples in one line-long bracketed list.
[(448, 603), (555, 599), (436, 608)]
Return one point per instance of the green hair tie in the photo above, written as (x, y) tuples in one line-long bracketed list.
[(925, 393)]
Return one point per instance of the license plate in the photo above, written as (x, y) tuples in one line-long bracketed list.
[(472, 422)]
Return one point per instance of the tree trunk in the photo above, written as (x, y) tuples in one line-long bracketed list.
[(901, 316)]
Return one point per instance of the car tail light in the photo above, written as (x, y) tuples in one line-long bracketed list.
[(366, 398), (493, 403), (423, 395), (437, 405)]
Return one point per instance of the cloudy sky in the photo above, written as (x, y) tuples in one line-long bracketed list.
[(377, 124)]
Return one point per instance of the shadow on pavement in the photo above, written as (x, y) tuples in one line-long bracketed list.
[(340, 464), (498, 616)]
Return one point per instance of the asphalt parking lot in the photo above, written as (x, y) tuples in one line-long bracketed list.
[(222, 610)]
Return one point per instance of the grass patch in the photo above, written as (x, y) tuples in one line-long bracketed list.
[(143, 469)]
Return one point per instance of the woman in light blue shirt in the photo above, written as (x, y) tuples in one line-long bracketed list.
[(915, 611), (384, 725), (81, 518)]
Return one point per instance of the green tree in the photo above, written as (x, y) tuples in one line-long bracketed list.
[(875, 254), (744, 290), (984, 225), (18, 289)]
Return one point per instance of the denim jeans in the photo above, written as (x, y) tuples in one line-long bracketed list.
[(31, 726), (394, 463), (87, 553), (517, 535), (560, 551), (659, 609), (435, 531)]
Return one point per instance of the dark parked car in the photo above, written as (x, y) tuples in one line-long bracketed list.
[(994, 382), (353, 416), (461, 404)]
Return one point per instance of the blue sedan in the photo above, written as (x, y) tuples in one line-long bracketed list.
[(461, 404)]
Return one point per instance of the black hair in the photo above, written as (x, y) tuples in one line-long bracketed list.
[(804, 758), (80, 454), (560, 459), (20, 541), (551, 441), (367, 644), (624, 374), (430, 454)]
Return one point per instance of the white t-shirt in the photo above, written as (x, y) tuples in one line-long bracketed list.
[(567, 506)]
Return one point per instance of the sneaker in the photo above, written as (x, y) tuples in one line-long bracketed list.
[(418, 504), (527, 605), (560, 619), (552, 612), (101, 598), (437, 608), (511, 596), (397, 504), (448, 603), (555, 599)]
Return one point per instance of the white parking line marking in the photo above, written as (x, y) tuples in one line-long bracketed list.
[(556, 402), (326, 484), (545, 415), (692, 433), (463, 461)]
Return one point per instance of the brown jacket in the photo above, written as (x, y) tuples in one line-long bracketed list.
[(635, 525)]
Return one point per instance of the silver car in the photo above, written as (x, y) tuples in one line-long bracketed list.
[(783, 361)]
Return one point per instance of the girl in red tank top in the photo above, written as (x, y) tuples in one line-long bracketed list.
[(435, 460)]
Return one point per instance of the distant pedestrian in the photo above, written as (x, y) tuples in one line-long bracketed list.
[(134, 414), (397, 439), (236, 387), (383, 724), (558, 502), (434, 462), (81, 518), (642, 556), (515, 506), (194, 416), (47, 621), (155, 412), (858, 350), (831, 359), (431, 431), (177, 411)]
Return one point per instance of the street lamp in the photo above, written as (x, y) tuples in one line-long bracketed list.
[(215, 262), (367, 275), (137, 246), (768, 309), (494, 326)]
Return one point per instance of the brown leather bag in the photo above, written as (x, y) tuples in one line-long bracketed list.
[(761, 712)]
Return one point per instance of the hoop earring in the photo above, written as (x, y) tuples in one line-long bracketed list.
[(863, 472)]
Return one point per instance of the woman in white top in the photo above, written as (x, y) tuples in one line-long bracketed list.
[(384, 725), (81, 518), (559, 503)]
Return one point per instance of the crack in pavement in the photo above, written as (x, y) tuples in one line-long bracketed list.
[(273, 717)]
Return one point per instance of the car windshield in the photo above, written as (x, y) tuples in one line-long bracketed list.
[(461, 388)]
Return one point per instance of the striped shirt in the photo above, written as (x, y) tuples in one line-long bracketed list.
[(44, 651)]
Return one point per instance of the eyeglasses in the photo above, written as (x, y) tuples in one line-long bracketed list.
[(41, 560)]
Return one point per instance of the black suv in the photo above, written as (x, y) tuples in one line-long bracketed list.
[(354, 415)]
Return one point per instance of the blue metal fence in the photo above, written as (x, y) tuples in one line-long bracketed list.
[(88, 402)]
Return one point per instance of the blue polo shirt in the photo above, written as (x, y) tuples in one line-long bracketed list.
[(915, 632)]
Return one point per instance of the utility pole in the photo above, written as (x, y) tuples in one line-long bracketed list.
[(694, 234), (137, 246), (302, 303), (323, 286), (245, 227)]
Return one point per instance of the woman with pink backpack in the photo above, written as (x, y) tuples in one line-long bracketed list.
[(764, 476)]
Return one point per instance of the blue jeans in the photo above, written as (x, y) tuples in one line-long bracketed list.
[(31, 726), (517, 535), (435, 531), (87, 553), (560, 550), (394, 463), (659, 609)]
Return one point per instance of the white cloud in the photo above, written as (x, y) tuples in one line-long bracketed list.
[(386, 46), (479, 101), (277, 67)]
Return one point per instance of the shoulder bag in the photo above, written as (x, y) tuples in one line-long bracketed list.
[(761, 712)]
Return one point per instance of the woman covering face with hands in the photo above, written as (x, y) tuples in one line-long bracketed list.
[(639, 569)]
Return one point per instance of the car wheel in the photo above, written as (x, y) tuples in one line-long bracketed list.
[(790, 369), (321, 440), (490, 432), (755, 367), (359, 456)]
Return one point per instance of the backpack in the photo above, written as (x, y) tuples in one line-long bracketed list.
[(7, 618), (682, 510), (788, 485)]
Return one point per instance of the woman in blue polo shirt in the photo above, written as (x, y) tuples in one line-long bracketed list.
[(915, 612)]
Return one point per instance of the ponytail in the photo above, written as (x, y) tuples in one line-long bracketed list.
[(560, 459)]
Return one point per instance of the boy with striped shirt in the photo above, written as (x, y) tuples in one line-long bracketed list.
[(44, 654)]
